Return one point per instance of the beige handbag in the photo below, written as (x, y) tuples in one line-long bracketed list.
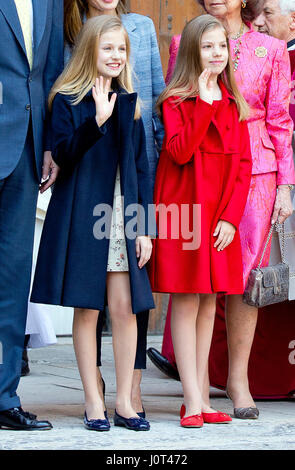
[(269, 285)]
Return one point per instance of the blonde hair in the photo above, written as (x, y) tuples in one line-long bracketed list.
[(188, 67), (74, 11), (80, 73)]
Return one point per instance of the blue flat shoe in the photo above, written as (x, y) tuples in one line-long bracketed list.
[(134, 424), (97, 424)]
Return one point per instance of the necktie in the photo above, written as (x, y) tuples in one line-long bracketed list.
[(24, 13)]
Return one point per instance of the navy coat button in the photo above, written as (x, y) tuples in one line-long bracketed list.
[(28, 107)]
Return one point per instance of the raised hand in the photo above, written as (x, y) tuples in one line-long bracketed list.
[(206, 86), (104, 107)]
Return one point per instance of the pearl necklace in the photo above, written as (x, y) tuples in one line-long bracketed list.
[(236, 60)]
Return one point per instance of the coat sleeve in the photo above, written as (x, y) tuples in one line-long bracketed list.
[(173, 49), (146, 215), (236, 206), (183, 138), (54, 64), (278, 121), (70, 143), (158, 86)]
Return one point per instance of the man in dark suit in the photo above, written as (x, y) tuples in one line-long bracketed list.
[(31, 58)]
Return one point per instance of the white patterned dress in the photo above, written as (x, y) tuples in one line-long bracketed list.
[(117, 260)]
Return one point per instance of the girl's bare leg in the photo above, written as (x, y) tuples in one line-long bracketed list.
[(124, 328), (183, 328), (204, 331), (84, 339)]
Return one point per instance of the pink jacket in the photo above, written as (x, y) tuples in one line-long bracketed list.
[(265, 84)]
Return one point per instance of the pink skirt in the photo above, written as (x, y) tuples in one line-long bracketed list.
[(255, 223)]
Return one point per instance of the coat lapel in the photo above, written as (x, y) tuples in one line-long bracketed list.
[(134, 36), (126, 109), (40, 15), (9, 10)]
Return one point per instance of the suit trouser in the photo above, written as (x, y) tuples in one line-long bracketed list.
[(142, 319), (18, 200)]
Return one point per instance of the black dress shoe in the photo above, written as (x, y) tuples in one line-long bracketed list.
[(163, 364), (19, 420)]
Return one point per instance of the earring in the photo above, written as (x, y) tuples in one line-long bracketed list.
[(244, 3)]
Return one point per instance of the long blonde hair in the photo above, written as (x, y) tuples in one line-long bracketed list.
[(74, 11), (188, 67), (80, 73)]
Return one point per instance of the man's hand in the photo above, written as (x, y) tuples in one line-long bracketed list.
[(49, 172)]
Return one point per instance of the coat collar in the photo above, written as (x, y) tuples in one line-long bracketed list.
[(226, 96), (9, 10), (40, 16)]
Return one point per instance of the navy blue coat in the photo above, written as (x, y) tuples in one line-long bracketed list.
[(72, 264)]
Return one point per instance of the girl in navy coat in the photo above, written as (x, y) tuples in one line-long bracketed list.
[(87, 249)]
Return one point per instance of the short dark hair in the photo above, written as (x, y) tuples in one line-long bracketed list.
[(250, 12)]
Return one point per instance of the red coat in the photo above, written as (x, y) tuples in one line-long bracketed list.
[(205, 160)]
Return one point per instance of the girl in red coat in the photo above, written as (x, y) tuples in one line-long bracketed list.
[(201, 189)]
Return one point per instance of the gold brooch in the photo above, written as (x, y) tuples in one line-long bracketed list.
[(260, 51)]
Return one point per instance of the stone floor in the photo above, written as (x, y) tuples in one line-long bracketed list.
[(53, 390)]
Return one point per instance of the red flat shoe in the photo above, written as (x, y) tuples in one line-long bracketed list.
[(194, 421), (216, 418), (211, 418)]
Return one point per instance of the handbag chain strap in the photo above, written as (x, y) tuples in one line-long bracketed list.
[(280, 228)]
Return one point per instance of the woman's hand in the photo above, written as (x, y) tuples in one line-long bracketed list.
[(283, 205), (144, 248), (104, 107), (206, 86), (225, 232)]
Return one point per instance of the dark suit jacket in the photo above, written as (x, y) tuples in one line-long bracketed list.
[(24, 91)]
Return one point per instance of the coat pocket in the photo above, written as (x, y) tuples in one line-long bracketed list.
[(267, 143)]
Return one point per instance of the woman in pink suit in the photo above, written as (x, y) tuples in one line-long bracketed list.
[(262, 70)]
